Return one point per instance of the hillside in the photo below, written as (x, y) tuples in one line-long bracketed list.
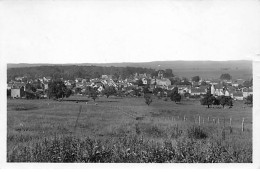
[(205, 69)]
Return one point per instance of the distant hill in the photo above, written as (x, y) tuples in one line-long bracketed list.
[(205, 69)]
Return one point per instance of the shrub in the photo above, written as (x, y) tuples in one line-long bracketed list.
[(148, 99), (196, 133)]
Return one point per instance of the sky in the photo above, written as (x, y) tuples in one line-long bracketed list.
[(128, 30)]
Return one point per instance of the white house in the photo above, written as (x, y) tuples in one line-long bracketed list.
[(144, 80), (238, 96), (247, 92)]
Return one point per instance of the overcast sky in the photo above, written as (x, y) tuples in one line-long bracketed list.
[(128, 31)]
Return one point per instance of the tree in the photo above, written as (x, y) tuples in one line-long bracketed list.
[(93, 94), (137, 92), (175, 96), (57, 89), (168, 73), (108, 91), (175, 80), (247, 84), (203, 83), (146, 90), (225, 76), (139, 82), (225, 100), (249, 99), (208, 100), (148, 98), (157, 90), (196, 79)]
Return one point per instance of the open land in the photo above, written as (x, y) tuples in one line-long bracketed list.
[(125, 129)]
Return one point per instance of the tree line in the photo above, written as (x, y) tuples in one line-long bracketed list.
[(73, 71)]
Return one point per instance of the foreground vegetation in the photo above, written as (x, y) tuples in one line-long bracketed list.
[(126, 130)]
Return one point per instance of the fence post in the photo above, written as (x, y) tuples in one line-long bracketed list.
[(218, 120), (184, 118), (199, 120), (243, 124), (223, 131), (203, 120), (208, 118), (230, 127)]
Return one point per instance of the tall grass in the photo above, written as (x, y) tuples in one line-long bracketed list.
[(132, 149)]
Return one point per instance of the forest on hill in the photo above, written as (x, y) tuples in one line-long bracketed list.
[(238, 69), (74, 71)]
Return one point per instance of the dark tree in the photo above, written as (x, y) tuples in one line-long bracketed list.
[(247, 84), (146, 90), (93, 93), (208, 100), (203, 83), (157, 90), (148, 98), (78, 90), (175, 80), (137, 92), (9, 93), (225, 100), (175, 96), (249, 99), (168, 73), (139, 82), (225, 76), (110, 90), (196, 79), (57, 89)]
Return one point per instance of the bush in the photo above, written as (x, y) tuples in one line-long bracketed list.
[(148, 99), (196, 133)]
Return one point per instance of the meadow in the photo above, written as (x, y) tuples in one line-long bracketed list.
[(125, 129)]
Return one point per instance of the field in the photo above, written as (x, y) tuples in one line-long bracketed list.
[(126, 130)]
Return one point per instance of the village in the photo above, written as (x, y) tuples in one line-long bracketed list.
[(194, 87)]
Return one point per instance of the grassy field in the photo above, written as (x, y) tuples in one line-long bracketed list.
[(126, 130)]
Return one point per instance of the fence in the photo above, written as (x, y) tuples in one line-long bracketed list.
[(230, 123)]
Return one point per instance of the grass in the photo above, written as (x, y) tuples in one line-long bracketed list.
[(126, 130)]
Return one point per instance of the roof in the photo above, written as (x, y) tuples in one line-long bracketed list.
[(18, 85), (219, 86), (171, 86), (239, 81), (238, 94), (198, 90), (247, 90)]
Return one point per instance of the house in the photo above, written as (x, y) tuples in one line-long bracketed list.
[(19, 78), (78, 79), (215, 81), (238, 95), (161, 82), (237, 82), (47, 78), (17, 92), (182, 89), (197, 91), (247, 92), (219, 90), (9, 86), (171, 87), (144, 80)]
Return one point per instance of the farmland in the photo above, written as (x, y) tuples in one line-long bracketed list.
[(126, 130)]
